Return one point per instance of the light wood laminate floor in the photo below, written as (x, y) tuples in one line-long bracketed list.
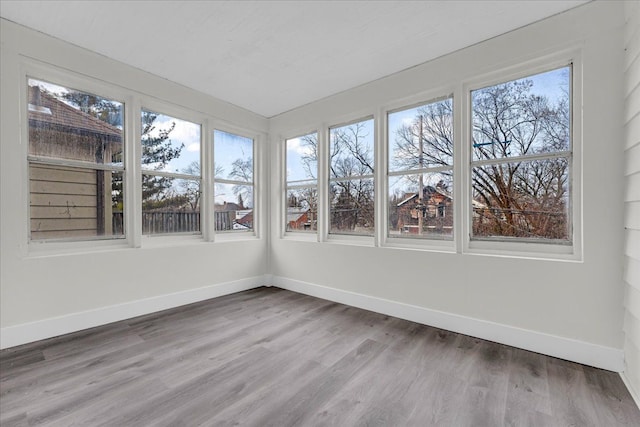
[(270, 357)]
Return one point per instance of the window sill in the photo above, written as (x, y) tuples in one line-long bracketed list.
[(43, 249), (168, 240), (235, 236), (354, 240), (301, 236), (535, 251), (428, 245)]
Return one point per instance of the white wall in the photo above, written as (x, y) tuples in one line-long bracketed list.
[(578, 302), (46, 295), (632, 197)]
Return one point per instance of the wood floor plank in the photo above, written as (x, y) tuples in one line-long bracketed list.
[(270, 357), (613, 402), (571, 401), (301, 408), (222, 378), (251, 408), (528, 396), (389, 399)]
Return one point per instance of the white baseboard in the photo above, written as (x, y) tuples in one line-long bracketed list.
[(12, 336), (632, 391), (564, 348), (268, 280)]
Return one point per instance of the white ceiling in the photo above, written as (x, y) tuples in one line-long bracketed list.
[(272, 56)]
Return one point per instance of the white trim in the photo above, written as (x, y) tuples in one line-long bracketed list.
[(628, 383), (176, 175), (12, 336), (351, 239), (323, 183), (207, 224), (571, 57), (564, 348)]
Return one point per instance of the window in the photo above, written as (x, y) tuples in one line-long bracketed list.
[(301, 183), (351, 160), (76, 168), (521, 159), (234, 195), (421, 171), (170, 175)]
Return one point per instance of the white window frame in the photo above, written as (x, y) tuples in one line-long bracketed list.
[(460, 91), (133, 103), (232, 235), (323, 198), (508, 247), (287, 185), (175, 111), (426, 242), (32, 69)]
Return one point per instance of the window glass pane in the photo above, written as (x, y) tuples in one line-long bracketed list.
[(351, 150), (522, 117), (421, 137), (524, 200), (351, 209), (302, 159), (233, 156), (302, 209), (233, 207), (73, 125), (67, 202), (170, 205), (414, 215), (170, 144)]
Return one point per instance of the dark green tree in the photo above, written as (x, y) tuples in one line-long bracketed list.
[(157, 152)]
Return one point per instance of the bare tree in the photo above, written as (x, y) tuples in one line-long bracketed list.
[(242, 170), (427, 140), (191, 188), (520, 198), (523, 198), (351, 157), (310, 158)]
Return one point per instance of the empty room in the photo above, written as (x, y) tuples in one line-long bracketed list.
[(320, 213)]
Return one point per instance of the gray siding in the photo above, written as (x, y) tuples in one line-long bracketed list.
[(64, 202)]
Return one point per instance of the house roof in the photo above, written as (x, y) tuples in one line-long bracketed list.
[(246, 220), (294, 214), (428, 191), (45, 108), (229, 206)]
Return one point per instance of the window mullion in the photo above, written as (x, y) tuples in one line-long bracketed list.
[(133, 165), (419, 171), (206, 185), (526, 158), (171, 175), (323, 179), (351, 178)]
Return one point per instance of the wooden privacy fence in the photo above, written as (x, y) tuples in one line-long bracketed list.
[(173, 222)]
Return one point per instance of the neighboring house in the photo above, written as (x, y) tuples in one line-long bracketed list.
[(69, 201), (245, 222), (298, 219), (232, 216), (435, 209)]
